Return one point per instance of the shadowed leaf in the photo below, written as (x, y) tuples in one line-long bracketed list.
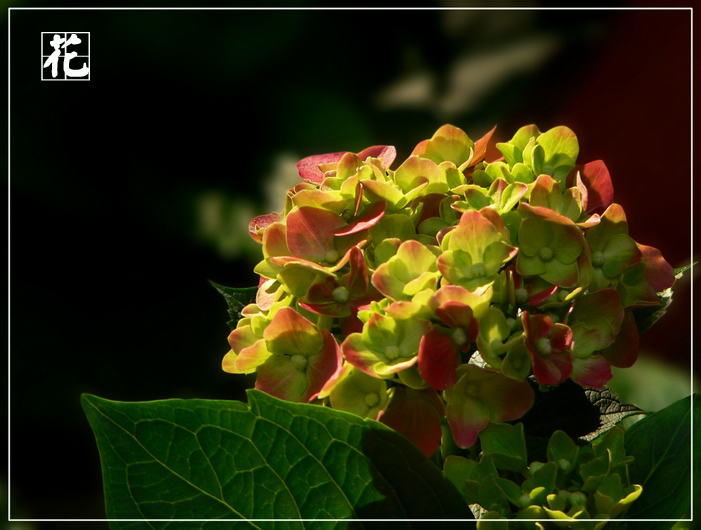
[(200, 459)]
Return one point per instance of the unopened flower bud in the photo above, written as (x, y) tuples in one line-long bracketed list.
[(300, 361), (459, 336), (392, 352), (543, 346), (372, 399), (546, 253), (340, 295)]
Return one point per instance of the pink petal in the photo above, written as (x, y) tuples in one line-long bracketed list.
[(438, 359), (266, 294), (308, 167)]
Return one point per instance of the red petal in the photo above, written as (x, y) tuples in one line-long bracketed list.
[(624, 351), (597, 180), (541, 296), (370, 217), (480, 149), (438, 359), (658, 273), (413, 413)]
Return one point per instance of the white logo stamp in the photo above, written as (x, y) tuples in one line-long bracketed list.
[(65, 56)]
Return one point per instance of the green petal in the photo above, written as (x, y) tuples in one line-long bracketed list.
[(619, 252), (449, 143), (533, 235), (415, 170), (292, 334), (359, 394), (567, 243), (560, 145), (562, 274), (529, 266)]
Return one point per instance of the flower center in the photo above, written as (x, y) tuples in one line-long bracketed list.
[(546, 253), (372, 399), (597, 258), (543, 346), (459, 336), (340, 295), (478, 270), (472, 389), (300, 361), (521, 295), (392, 352), (332, 256)]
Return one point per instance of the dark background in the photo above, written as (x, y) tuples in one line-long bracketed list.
[(129, 191)]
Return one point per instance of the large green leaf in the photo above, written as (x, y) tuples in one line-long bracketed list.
[(661, 445), (201, 459)]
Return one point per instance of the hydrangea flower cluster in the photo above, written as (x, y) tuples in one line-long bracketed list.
[(436, 289)]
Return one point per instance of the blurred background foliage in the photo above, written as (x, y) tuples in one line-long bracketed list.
[(130, 191)]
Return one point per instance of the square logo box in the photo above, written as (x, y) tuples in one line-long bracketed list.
[(65, 56)]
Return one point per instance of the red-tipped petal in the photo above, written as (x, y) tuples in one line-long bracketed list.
[(310, 232), (258, 224), (592, 371), (387, 153), (308, 167)]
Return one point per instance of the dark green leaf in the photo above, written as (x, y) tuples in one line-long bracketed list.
[(661, 445), (646, 317), (200, 459), (236, 300), (581, 413), (505, 445)]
